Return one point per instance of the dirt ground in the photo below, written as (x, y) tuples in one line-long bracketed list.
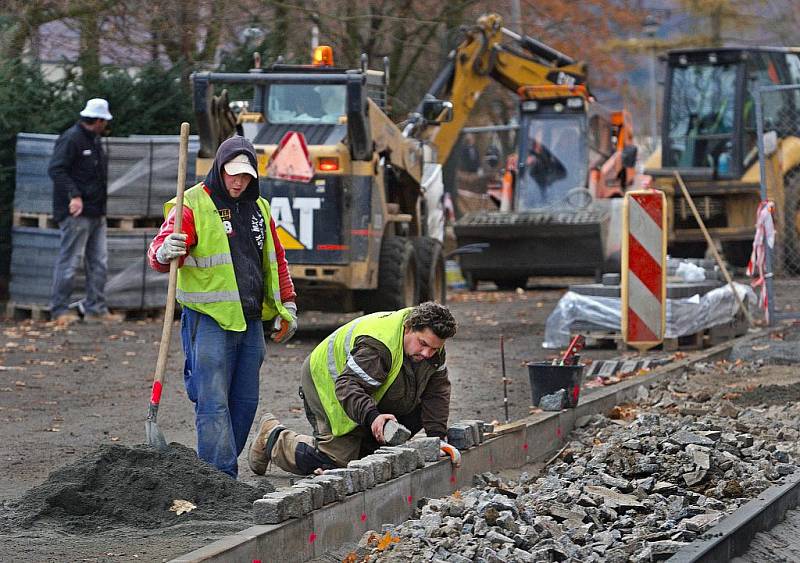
[(66, 392)]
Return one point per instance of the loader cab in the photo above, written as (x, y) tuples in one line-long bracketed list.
[(554, 155), (709, 123)]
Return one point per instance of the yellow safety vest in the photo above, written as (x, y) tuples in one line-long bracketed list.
[(207, 281), (329, 358)]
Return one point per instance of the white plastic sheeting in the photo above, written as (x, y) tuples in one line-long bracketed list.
[(684, 316)]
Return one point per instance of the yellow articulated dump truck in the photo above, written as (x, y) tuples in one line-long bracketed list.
[(709, 137), (363, 230)]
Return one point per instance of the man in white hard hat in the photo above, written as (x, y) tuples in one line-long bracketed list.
[(79, 171)]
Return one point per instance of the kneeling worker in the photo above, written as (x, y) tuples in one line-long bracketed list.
[(379, 367)]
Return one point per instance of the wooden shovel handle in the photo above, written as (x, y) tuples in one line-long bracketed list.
[(169, 309)]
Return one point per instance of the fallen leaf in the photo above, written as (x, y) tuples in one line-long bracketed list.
[(130, 353), (387, 540), (128, 333), (114, 438), (180, 506), (760, 347), (20, 384), (53, 429), (88, 358)]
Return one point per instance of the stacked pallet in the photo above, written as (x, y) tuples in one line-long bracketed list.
[(142, 176)]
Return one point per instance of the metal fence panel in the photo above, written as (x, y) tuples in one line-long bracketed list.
[(777, 110)]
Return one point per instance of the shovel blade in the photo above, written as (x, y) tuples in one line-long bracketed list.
[(155, 437)]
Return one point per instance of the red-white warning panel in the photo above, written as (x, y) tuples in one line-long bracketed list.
[(291, 161), (644, 268)]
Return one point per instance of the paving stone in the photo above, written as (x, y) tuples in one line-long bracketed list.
[(477, 429), (554, 401), (381, 466), (316, 492), (351, 477), (427, 446), (334, 487), (367, 472), (460, 436), (278, 506), (395, 433), (608, 369)]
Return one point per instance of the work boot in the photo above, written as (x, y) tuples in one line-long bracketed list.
[(106, 317), (260, 453), (66, 318)]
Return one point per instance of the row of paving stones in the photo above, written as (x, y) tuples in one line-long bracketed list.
[(637, 487), (388, 462)]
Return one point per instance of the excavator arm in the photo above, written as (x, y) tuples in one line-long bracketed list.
[(481, 57)]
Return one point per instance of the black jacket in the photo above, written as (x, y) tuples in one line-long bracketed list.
[(79, 168), (247, 228)]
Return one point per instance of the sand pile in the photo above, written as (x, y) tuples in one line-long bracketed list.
[(134, 486)]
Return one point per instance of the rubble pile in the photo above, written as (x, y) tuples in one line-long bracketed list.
[(633, 487)]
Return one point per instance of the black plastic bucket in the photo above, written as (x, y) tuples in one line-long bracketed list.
[(547, 379)]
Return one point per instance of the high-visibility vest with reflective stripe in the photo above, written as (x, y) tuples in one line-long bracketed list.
[(329, 358), (207, 281)]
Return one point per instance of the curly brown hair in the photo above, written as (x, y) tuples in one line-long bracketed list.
[(434, 316)]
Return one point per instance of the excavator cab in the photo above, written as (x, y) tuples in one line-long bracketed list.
[(709, 136), (554, 160)]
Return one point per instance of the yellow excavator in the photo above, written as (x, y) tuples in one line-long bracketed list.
[(573, 156)]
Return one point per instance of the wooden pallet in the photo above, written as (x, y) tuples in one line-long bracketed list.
[(21, 311), (601, 339), (46, 221), (39, 312)]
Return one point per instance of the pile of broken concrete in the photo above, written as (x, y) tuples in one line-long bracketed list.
[(634, 488)]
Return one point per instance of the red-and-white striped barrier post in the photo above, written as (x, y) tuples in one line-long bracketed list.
[(644, 268)]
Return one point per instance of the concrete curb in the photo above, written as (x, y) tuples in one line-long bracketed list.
[(392, 502), (732, 536)]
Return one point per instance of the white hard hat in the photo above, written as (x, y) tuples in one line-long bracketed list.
[(98, 108), (240, 164)]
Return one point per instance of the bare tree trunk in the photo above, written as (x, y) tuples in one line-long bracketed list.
[(89, 52)]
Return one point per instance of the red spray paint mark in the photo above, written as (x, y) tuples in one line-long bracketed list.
[(558, 431), (312, 537), (576, 391), (409, 499), (453, 479), (363, 516), (491, 459), (525, 446)]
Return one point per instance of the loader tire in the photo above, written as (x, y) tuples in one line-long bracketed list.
[(430, 267), (397, 277)]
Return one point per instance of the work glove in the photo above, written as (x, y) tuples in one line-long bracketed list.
[(174, 246), (450, 451), (283, 330)]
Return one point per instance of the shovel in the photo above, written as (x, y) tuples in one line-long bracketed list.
[(155, 437)]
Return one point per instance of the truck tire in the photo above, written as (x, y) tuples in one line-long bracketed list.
[(397, 277), (430, 267)]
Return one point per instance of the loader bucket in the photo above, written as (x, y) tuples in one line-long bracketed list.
[(532, 243)]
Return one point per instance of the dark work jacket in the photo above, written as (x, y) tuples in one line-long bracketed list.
[(244, 224), (424, 384), (79, 168)]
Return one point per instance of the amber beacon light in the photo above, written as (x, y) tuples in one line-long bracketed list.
[(323, 56)]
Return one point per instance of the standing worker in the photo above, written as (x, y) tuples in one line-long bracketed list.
[(79, 170), (376, 368), (234, 287)]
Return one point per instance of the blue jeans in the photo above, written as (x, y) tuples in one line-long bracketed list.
[(221, 377), (83, 240)]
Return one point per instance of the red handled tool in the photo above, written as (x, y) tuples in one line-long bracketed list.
[(155, 437), (577, 344)]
